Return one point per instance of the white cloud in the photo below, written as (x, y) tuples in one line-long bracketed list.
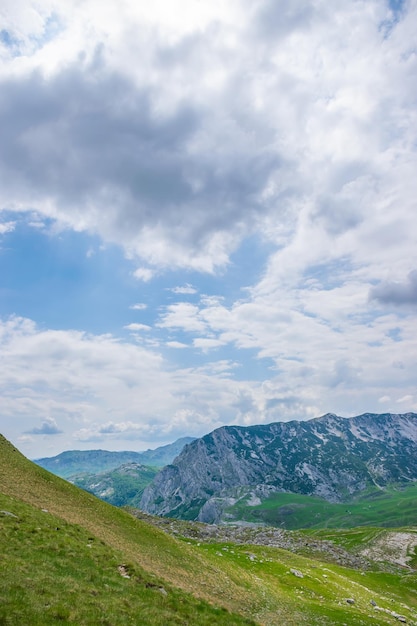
[(7, 227), (137, 327), (186, 289), (140, 306), (225, 115), (144, 273), (205, 344), (98, 387), (408, 399), (183, 315), (383, 399), (176, 344)]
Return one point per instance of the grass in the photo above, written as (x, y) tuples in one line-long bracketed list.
[(55, 572), (396, 506), (61, 550)]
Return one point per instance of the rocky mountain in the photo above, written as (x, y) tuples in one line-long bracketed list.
[(330, 456), (74, 462)]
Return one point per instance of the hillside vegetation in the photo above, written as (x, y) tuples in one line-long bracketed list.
[(122, 486), (69, 557), (393, 506)]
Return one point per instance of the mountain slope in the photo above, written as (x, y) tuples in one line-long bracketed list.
[(122, 486), (73, 462), (66, 556), (393, 506), (59, 573), (331, 457)]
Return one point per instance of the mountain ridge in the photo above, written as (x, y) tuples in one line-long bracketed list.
[(72, 462), (330, 456)]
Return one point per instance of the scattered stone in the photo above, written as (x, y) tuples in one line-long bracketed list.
[(8, 514), (123, 571), (297, 573), (258, 535), (163, 591), (373, 602), (398, 617), (350, 600)]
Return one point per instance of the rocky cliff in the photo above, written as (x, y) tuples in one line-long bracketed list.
[(330, 456)]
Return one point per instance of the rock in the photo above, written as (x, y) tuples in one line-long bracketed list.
[(297, 573), (123, 571), (373, 602), (350, 600), (8, 514)]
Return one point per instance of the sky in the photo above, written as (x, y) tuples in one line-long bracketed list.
[(207, 216)]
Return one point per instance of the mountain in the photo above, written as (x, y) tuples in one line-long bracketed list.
[(74, 462), (71, 558), (332, 457), (122, 486)]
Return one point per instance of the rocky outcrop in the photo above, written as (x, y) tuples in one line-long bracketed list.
[(332, 457)]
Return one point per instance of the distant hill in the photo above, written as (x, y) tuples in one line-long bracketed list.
[(122, 486), (331, 457), (74, 462)]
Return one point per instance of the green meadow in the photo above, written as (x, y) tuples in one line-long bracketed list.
[(395, 506)]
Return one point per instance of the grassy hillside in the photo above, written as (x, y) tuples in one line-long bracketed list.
[(57, 572), (395, 506), (65, 555)]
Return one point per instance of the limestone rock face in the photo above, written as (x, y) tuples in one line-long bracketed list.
[(330, 456)]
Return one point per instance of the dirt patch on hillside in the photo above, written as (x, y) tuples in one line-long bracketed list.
[(395, 547)]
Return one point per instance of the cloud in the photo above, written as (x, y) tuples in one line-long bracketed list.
[(183, 315), (397, 293), (121, 427), (220, 133), (99, 386), (177, 345), (186, 290), (137, 327), (48, 427), (7, 227), (140, 306), (408, 400), (130, 165), (205, 344), (384, 399), (144, 273)]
